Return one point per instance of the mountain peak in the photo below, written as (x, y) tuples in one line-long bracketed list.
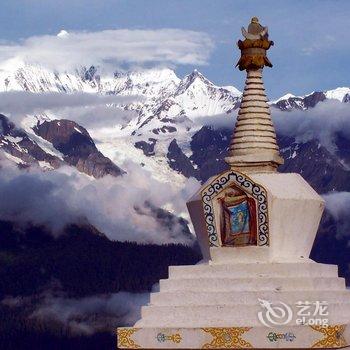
[(191, 79), (197, 74), (287, 96), (62, 34)]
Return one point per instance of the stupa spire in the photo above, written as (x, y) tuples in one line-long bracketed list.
[(253, 146)]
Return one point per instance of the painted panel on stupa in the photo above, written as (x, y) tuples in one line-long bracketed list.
[(236, 211), (237, 216)]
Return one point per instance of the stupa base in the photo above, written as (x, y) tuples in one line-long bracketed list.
[(222, 306), (291, 337)]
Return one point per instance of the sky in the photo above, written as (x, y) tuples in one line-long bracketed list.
[(311, 37)]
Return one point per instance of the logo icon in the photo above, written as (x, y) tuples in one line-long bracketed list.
[(289, 336), (274, 314)]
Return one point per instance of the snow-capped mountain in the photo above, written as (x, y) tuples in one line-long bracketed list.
[(169, 108), (290, 101), (33, 78), (165, 132)]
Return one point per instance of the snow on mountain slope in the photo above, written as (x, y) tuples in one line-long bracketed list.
[(200, 97), (19, 76), (19, 147), (338, 93), (122, 151), (152, 83), (175, 113), (167, 115), (172, 115)]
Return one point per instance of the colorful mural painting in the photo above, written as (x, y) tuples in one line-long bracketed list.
[(237, 218)]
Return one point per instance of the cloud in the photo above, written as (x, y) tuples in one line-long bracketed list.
[(85, 315), (97, 116), (57, 198), (327, 42), (111, 47), (338, 204), (91, 314), (90, 109), (218, 121), (321, 122)]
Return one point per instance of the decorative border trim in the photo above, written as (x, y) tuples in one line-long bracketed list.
[(227, 338), (247, 185), (175, 338), (125, 341), (292, 337), (333, 336)]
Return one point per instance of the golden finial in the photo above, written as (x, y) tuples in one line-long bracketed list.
[(254, 46)]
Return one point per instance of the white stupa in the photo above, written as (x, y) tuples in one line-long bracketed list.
[(256, 286)]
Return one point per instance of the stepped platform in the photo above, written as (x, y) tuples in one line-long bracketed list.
[(217, 306)]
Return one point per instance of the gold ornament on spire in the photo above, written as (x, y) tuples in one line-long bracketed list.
[(254, 46)]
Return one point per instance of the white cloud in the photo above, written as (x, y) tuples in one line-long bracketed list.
[(64, 196), (67, 51), (219, 121), (327, 42), (338, 204), (321, 122), (27, 102), (96, 116), (86, 109)]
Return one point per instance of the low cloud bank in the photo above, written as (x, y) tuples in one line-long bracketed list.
[(59, 197), (101, 313), (338, 204), (91, 314), (84, 108), (218, 121), (322, 122)]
